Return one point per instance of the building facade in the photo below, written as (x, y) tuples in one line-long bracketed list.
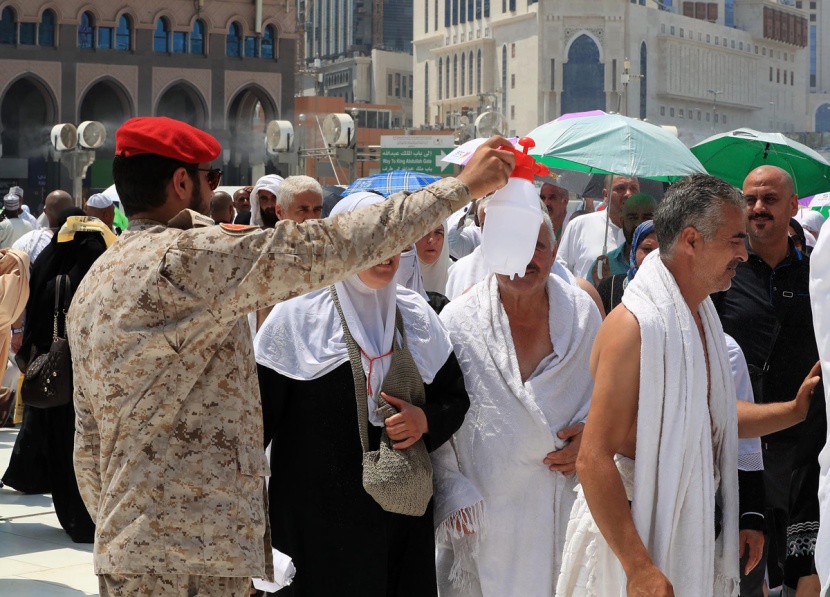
[(224, 66), (673, 63)]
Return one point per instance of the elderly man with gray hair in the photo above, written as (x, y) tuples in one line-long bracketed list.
[(523, 347), (299, 198)]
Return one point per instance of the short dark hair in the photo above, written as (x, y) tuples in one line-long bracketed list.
[(141, 180), (697, 201)]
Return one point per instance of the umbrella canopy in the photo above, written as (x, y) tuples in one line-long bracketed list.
[(820, 203), (613, 144), (388, 183), (731, 156)]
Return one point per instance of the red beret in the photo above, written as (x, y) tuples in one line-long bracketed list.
[(166, 137)]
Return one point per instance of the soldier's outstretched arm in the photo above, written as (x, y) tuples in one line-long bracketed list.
[(239, 271)]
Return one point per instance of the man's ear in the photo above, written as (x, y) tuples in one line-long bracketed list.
[(278, 211), (180, 184), (690, 239)]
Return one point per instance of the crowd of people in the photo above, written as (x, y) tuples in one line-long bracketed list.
[(267, 399)]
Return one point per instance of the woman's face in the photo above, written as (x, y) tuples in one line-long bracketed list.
[(796, 239), (378, 276), (429, 247), (647, 245)]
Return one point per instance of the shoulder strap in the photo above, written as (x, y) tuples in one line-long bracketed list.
[(357, 374), (775, 331), (62, 284)]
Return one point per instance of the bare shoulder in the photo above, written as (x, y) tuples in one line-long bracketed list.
[(618, 340)]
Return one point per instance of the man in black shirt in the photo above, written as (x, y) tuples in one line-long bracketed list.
[(768, 312)]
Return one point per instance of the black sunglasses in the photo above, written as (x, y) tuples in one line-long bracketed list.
[(214, 176)]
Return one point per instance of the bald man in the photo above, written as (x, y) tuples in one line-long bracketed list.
[(767, 311), (221, 208), (637, 209)]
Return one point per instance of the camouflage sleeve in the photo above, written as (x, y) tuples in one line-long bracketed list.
[(239, 271), (87, 454)]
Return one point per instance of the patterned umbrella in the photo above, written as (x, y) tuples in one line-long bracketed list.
[(389, 183)]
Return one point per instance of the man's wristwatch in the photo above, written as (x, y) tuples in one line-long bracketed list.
[(17, 330)]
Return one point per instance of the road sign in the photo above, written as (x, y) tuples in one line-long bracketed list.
[(422, 153)]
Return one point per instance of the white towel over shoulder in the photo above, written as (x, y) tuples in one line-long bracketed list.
[(686, 457)]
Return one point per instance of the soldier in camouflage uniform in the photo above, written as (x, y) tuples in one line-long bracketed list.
[(169, 426)]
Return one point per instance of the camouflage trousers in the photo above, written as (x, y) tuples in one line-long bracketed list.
[(172, 585)]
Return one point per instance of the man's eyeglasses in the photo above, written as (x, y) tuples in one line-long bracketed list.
[(214, 176)]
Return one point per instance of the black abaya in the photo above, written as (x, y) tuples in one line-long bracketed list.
[(341, 541)]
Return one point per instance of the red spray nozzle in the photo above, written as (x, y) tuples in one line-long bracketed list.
[(526, 166)]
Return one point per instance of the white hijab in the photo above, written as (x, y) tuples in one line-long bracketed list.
[(269, 183), (302, 338), (409, 272), (436, 274)]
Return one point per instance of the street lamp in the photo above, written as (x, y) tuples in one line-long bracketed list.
[(715, 94), (625, 78), (77, 150)]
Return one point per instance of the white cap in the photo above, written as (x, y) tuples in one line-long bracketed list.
[(99, 200), (11, 202)]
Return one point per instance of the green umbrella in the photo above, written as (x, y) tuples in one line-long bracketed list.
[(613, 144), (731, 156)]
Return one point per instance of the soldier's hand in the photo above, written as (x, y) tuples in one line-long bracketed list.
[(489, 168)]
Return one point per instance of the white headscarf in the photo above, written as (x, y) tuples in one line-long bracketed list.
[(269, 183), (409, 272), (811, 219), (435, 275), (302, 338)]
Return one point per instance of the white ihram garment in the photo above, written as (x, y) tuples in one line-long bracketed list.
[(680, 457), (510, 428)]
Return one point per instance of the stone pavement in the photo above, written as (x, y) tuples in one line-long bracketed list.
[(37, 558)]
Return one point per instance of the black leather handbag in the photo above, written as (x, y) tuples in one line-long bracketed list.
[(48, 379)]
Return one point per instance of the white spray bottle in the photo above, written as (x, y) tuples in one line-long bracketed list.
[(514, 215)]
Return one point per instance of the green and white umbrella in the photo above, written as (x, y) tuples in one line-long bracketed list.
[(821, 204), (613, 144), (732, 156)]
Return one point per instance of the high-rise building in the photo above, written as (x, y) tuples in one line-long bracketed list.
[(674, 63)]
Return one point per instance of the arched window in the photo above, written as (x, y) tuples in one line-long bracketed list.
[(46, 29), (86, 31), (197, 38), (823, 118), (234, 40), (447, 79), (455, 76), (8, 26), (470, 75), (583, 77), (426, 93), (643, 80), (463, 72), (161, 36), (440, 78), (269, 36), (478, 72), (124, 34)]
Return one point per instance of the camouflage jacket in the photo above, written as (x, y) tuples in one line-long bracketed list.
[(168, 443)]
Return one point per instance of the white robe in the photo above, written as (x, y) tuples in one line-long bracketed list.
[(683, 466), (819, 291), (510, 428)]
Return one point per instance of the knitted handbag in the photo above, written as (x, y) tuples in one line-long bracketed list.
[(400, 481), (47, 381)]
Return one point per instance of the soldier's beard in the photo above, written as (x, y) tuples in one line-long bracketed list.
[(269, 217)]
